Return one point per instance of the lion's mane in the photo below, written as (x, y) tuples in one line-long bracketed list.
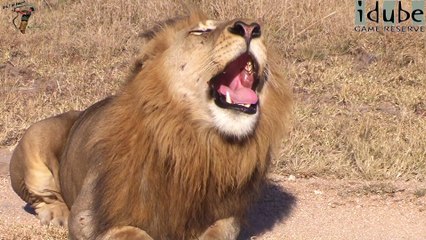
[(163, 169)]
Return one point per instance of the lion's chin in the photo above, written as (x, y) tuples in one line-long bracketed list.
[(231, 123)]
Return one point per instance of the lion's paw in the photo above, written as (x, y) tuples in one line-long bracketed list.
[(126, 233), (53, 213)]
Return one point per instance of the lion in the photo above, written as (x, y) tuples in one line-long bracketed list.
[(180, 152)]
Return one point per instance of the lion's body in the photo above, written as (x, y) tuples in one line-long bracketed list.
[(154, 158)]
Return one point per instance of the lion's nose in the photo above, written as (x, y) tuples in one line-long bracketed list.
[(248, 32)]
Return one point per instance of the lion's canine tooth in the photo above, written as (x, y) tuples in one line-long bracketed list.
[(228, 97), (249, 67)]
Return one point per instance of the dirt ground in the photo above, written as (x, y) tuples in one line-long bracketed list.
[(289, 208)]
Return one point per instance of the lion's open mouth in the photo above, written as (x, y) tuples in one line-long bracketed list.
[(235, 87)]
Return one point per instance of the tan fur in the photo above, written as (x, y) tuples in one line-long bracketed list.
[(34, 167), (156, 158)]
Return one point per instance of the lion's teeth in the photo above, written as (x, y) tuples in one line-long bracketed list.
[(244, 105), (228, 100), (249, 67), (228, 97)]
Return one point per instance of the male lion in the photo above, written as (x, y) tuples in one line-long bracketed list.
[(179, 153)]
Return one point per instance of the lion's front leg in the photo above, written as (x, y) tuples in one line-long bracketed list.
[(81, 228), (224, 229), (125, 233), (81, 223)]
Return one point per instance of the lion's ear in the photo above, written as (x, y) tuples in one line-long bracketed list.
[(137, 66)]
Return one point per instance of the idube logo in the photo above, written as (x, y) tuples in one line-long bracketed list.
[(390, 16)]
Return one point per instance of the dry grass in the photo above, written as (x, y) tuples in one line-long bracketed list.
[(360, 97)]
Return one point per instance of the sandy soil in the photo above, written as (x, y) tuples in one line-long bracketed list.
[(289, 209)]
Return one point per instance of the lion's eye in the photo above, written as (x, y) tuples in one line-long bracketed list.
[(204, 27), (199, 32)]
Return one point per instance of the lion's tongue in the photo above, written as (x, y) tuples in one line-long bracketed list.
[(240, 89)]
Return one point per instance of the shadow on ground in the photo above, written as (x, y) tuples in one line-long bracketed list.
[(274, 205)]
